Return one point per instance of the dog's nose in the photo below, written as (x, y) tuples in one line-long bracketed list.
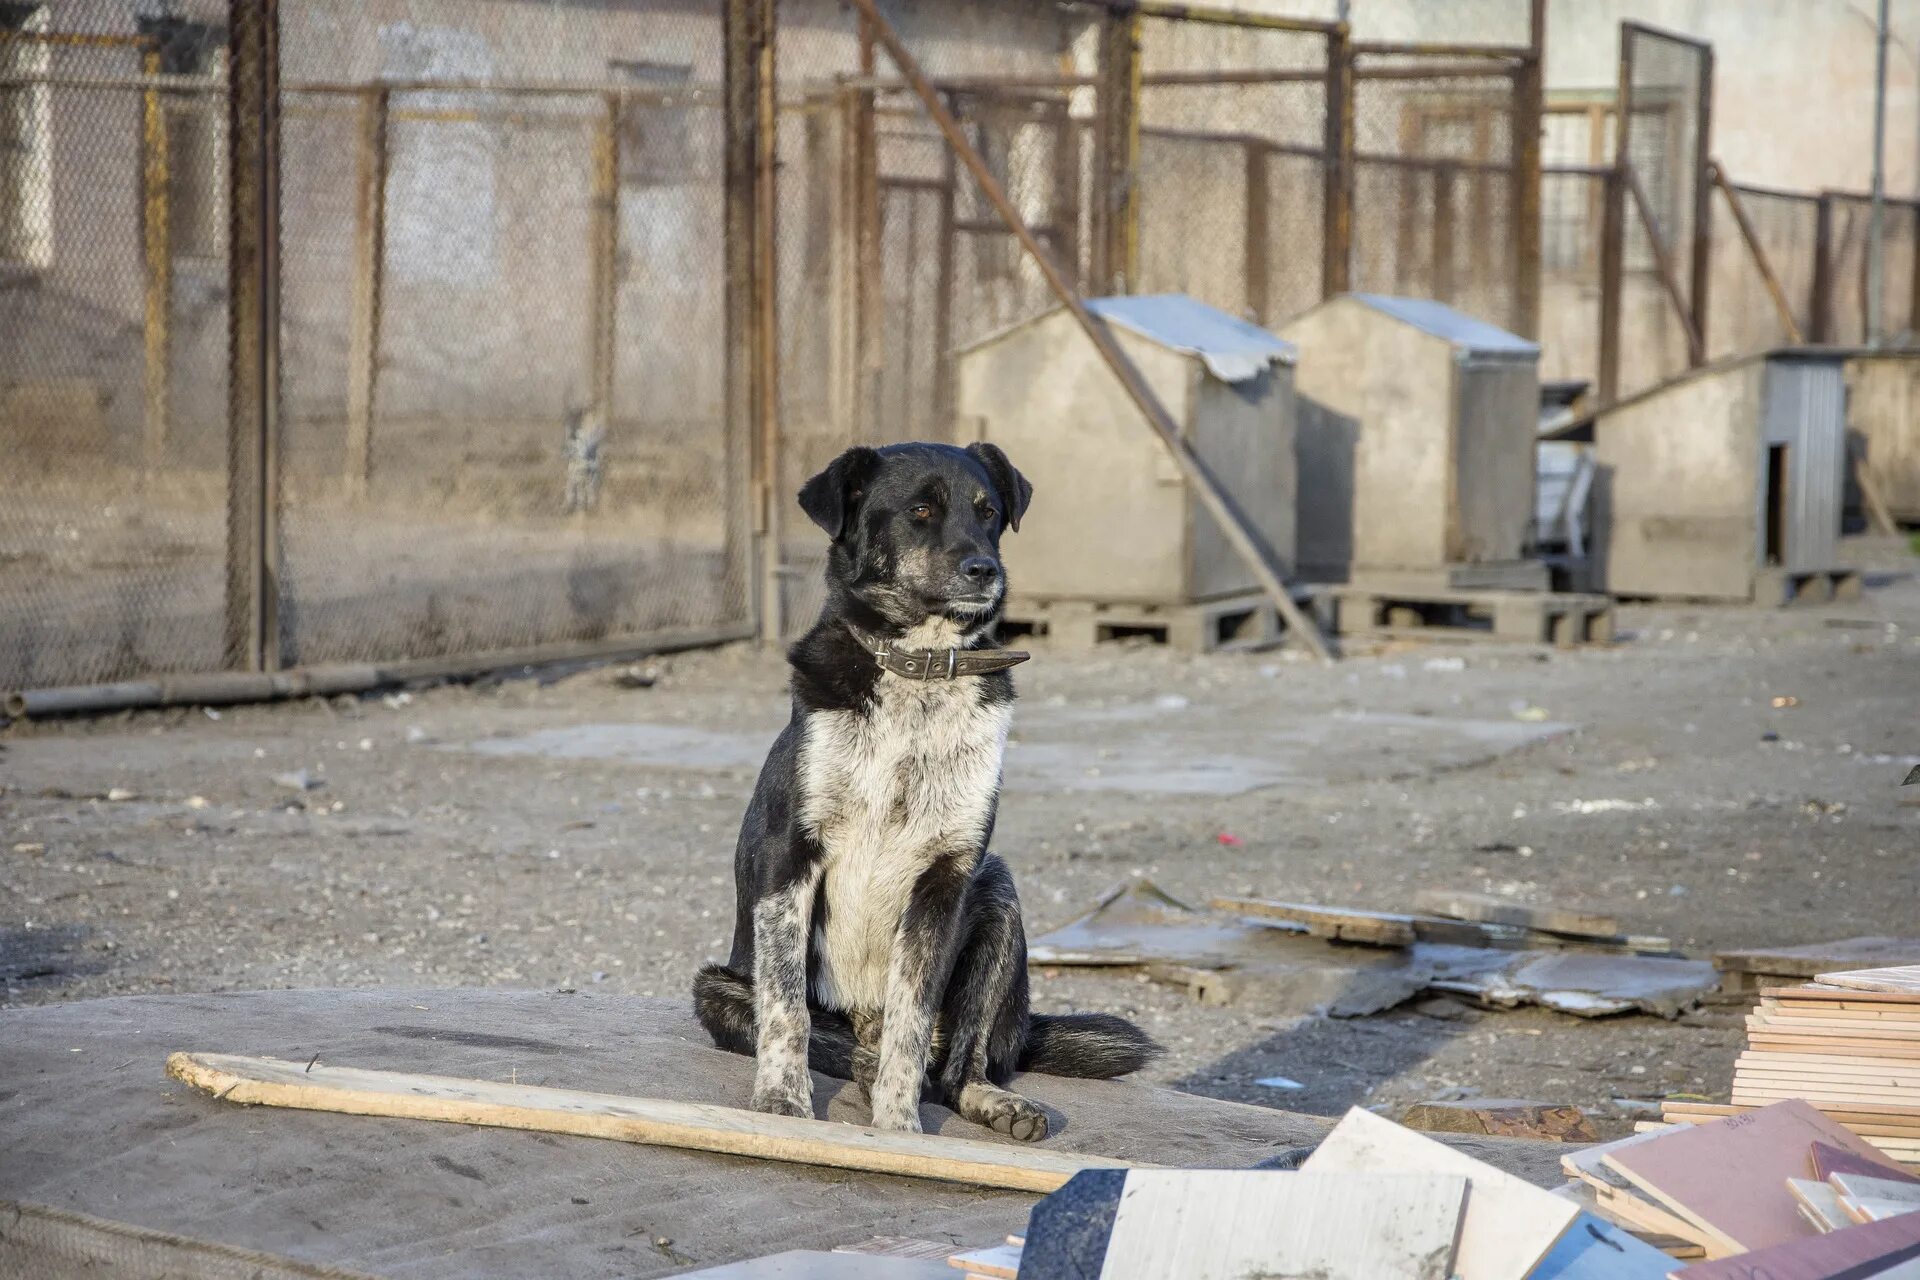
[(978, 568)]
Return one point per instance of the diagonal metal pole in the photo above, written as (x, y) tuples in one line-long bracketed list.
[(1201, 481)]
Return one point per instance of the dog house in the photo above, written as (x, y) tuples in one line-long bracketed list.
[(1416, 445), (1883, 421), (1726, 483), (1113, 521)]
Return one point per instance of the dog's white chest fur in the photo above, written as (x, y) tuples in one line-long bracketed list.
[(887, 793)]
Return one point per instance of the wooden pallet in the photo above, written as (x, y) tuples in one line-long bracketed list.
[(1774, 588), (1233, 625), (1526, 617)]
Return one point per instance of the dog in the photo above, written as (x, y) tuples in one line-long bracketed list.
[(875, 938)]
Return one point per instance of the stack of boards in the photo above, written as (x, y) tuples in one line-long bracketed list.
[(1782, 1191), (1848, 1043), (1375, 1201)]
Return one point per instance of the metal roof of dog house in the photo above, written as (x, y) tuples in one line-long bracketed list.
[(1439, 320), (1232, 349)]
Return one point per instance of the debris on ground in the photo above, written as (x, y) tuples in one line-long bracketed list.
[(1501, 1118), (297, 780)]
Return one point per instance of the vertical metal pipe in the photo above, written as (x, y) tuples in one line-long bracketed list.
[(1117, 158), (943, 287), (1613, 229), (369, 245), (746, 495), (157, 236), (766, 330), (1877, 227), (253, 279), (1444, 287)]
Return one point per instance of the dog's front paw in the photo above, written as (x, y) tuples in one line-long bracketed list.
[(783, 1100), (1003, 1112)]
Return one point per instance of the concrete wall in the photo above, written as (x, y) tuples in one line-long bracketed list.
[(1679, 471), (1883, 413)]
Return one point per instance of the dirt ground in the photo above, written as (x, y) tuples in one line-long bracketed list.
[(563, 830)]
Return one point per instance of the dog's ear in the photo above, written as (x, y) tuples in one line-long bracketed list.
[(1015, 492), (830, 497)]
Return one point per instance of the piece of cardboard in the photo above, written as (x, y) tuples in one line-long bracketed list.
[(1730, 1176)]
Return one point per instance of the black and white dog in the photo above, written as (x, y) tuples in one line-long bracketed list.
[(875, 936)]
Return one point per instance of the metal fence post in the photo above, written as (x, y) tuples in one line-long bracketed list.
[(752, 547), (1613, 224), (1117, 155), (369, 263), (1337, 198), (1257, 234), (1529, 100), (1820, 307), (156, 233), (1702, 205), (253, 336), (604, 254)]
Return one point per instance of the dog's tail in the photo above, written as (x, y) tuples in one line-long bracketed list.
[(1092, 1046), (723, 1001)]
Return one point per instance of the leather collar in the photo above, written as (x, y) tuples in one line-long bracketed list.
[(936, 664)]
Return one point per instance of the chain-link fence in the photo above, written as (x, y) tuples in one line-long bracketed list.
[(1661, 303), (113, 361), (1848, 318)]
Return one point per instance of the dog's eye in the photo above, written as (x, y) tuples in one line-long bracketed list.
[(920, 511)]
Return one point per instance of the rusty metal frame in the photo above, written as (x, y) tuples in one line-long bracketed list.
[(1198, 478), (251, 639), (751, 392), (1530, 101), (1116, 171), (1337, 147), (1820, 310), (603, 250), (1702, 160), (156, 227)]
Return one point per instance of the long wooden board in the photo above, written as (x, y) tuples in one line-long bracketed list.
[(1900, 979), (693, 1126), (1510, 1224), (1485, 908), (1846, 995)]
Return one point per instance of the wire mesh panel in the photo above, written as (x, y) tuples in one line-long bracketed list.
[(1434, 182), (889, 258), (113, 360), (502, 328), (1849, 259), (1570, 203), (1664, 133), (1232, 165), (1743, 316)]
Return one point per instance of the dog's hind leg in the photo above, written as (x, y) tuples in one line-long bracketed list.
[(984, 1012), (723, 1001)]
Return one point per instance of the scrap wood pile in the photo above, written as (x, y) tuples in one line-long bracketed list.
[(1847, 1043), (1493, 951), (1726, 1200)]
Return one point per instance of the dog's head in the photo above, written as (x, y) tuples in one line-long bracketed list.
[(916, 530)]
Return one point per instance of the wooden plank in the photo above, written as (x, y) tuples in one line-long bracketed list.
[(899, 1247), (1828, 1161), (1000, 1261), (1814, 958), (1510, 1224), (1212, 1224), (1729, 1175), (1842, 1094), (1774, 1042), (1902, 979), (1819, 1204), (1814, 1061), (693, 1126), (1815, 994), (1864, 1211), (1378, 928), (1859, 1186), (1821, 1257), (1486, 908)]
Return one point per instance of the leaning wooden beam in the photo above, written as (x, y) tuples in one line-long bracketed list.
[(1738, 208), (1870, 495), (1663, 264), (691, 1126), (1196, 474)]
